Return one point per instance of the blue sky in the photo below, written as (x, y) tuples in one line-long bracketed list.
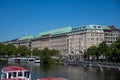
[(19, 18)]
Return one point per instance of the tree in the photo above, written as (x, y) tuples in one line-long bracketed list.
[(2, 51), (23, 50), (10, 49), (91, 52), (36, 52), (54, 52), (46, 55), (115, 51), (103, 49)]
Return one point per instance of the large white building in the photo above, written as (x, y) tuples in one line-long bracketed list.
[(70, 40)]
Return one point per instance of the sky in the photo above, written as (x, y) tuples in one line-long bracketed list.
[(19, 18)]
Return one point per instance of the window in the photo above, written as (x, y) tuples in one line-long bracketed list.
[(19, 73), (92, 38), (92, 34), (26, 74), (88, 39), (9, 75), (4, 75), (97, 39), (99, 27), (14, 74), (94, 26)]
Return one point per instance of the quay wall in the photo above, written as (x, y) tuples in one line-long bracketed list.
[(93, 64)]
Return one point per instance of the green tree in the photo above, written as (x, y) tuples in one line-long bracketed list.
[(2, 51), (46, 55), (103, 49), (91, 52), (115, 51), (23, 51), (86, 55), (54, 52), (36, 52), (10, 49)]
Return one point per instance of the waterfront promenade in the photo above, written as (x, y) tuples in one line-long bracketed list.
[(88, 64), (93, 64)]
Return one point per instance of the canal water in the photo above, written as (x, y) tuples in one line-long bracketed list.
[(69, 72)]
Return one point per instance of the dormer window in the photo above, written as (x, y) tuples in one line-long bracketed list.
[(94, 26), (99, 27)]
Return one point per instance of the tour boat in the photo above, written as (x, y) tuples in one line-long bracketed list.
[(50, 78), (15, 73)]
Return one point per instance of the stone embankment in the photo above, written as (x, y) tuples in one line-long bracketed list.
[(93, 64)]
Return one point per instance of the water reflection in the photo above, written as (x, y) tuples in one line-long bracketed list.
[(46, 67), (68, 72)]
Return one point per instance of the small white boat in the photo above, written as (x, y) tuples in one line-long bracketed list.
[(15, 73), (37, 60), (51, 78), (31, 59)]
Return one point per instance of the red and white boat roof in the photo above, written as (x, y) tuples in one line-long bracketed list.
[(13, 69)]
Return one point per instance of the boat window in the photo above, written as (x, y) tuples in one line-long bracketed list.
[(9, 75), (19, 73), (14, 74), (26, 74), (4, 75)]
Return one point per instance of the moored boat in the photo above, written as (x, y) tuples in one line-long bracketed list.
[(21, 59), (51, 78), (20, 73), (15, 73), (37, 60)]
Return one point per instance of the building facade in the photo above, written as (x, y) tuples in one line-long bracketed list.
[(41, 43), (70, 40), (111, 35), (60, 42), (83, 37)]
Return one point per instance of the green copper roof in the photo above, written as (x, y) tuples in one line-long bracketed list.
[(56, 31), (26, 38)]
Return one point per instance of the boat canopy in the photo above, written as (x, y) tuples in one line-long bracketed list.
[(13, 68), (15, 73)]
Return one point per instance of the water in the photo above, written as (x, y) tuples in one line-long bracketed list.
[(68, 72)]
